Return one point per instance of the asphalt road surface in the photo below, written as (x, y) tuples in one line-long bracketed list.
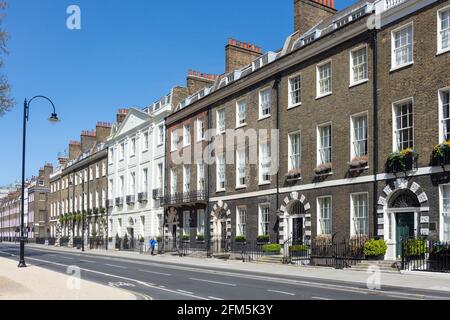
[(169, 281)]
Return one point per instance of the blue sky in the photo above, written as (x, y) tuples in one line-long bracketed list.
[(128, 53)]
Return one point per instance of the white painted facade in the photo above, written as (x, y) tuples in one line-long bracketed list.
[(136, 164)]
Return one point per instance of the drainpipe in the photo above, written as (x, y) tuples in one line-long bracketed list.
[(374, 39), (208, 205), (277, 88)]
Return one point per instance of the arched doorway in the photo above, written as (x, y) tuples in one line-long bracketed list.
[(296, 222), (171, 230), (221, 227), (295, 219), (403, 218)]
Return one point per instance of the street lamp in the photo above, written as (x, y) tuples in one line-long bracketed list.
[(53, 119)]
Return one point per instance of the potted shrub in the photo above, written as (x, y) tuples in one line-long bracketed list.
[(200, 238), (263, 239), (95, 211), (402, 161), (323, 169), (441, 154), (240, 239), (359, 162), (102, 210), (271, 248), (294, 174), (375, 249), (186, 238)]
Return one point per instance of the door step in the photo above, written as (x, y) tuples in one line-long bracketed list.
[(383, 266)]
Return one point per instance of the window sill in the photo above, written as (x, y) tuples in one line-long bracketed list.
[(241, 187), (442, 51), (219, 133), (188, 145), (201, 140), (264, 117), (324, 95), (220, 190), (294, 106), (355, 84), (401, 67), (241, 126), (265, 183), (324, 174)]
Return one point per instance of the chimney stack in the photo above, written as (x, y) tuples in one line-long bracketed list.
[(121, 115), (88, 139), (62, 160), (197, 80), (239, 54), (308, 13), (74, 150), (102, 130)]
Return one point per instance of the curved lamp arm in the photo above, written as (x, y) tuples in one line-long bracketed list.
[(54, 116)]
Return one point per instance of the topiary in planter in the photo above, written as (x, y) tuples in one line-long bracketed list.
[(240, 239), (375, 249), (185, 238), (263, 239), (271, 248), (200, 238)]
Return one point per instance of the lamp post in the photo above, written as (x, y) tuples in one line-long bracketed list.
[(53, 118)]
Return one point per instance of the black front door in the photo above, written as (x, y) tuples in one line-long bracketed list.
[(297, 231), (404, 230)]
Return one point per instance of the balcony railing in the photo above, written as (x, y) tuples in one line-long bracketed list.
[(131, 199), (119, 201), (157, 194), (185, 197), (392, 3), (143, 197)]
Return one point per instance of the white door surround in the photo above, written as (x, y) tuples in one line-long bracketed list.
[(286, 219)]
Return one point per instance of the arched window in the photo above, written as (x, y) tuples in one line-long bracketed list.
[(404, 199), (297, 208)]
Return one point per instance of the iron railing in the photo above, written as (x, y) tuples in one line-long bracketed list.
[(143, 197), (425, 255), (185, 197)]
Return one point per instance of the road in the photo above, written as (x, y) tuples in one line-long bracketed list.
[(170, 281)]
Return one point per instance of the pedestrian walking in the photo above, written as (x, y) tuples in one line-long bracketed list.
[(152, 246)]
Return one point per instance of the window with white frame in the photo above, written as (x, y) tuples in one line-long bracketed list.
[(444, 114), (104, 168), (144, 180), (122, 186), (186, 223), (324, 215), (186, 178), (97, 171), (160, 176), (111, 155), (201, 185), (324, 144), (221, 121), (264, 162), (402, 46), (145, 141), (91, 173), (200, 222), (160, 134), (200, 130), (360, 216), (186, 135), (174, 145), (241, 113), (294, 151), (241, 168), (295, 91), (97, 199), (173, 181), (445, 219), (132, 183), (122, 151), (265, 103), (264, 220), (404, 125), (241, 229), (103, 198), (221, 167), (133, 147), (324, 79), (444, 29), (359, 66), (111, 188), (359, 136)]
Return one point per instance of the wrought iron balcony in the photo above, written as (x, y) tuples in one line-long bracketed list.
[(143, 197), (119, 201), (157, 194), (185, 198), (131, 199)]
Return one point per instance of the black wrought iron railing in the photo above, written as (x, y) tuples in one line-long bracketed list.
[(425, 255), (185, 197)]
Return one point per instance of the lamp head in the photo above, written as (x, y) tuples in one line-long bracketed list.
[(54, 118)]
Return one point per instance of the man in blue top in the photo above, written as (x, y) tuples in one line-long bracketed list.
[(152, 246)]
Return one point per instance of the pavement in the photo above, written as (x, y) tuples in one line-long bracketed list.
[(36, 283), (168, 277)]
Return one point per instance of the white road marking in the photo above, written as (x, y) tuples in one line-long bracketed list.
[(214, 298), (88, 261), (67, 258), (320, 298), (282, 292), (187, 292), (154, 272), (114, 266), (215, 282)]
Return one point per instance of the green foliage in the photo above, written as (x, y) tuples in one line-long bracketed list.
[(400, 157), (271, 248), (373, 248), (200, 237), (185, 238), (299, 248), (263, 238), (440, 150), (240, 239), (415, 247)]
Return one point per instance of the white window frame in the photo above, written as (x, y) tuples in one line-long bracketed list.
[(395, 145), (394, 65), (290, 155), (290, 91), (218, 122), (441, 212), (144, 186), (241, 232), (240, 185), (186, 224), (122, 151), (201, 227), (442, 137), (262, 232), (319, 215), (352, 66), (187, 135), (97, 171), (319, 143), (260, 105), (201, 178), (111, 155), (173, 181), (320, 94), (132, 147), (352, 212), (261, 164), (186, 178), (200, 123), (440, 50), (174, 140), (352, 134), (219, 188), (238, 113), (161, 134), (160, 172), (145, 141)]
